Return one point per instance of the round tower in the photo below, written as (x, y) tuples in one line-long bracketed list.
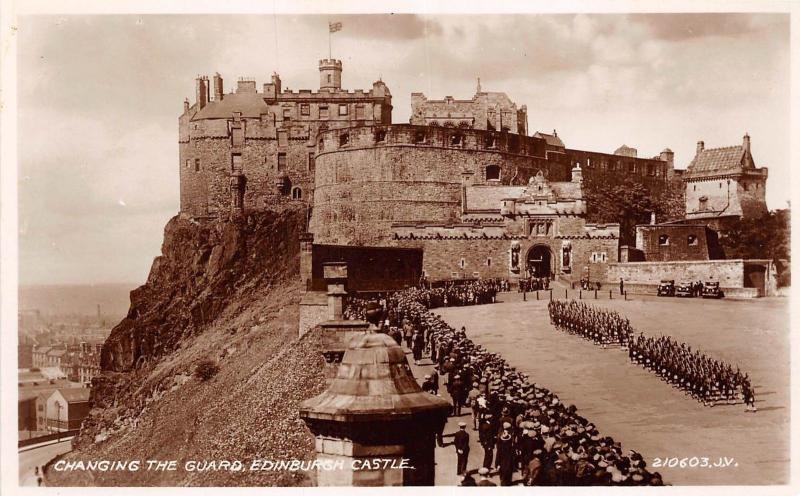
[(330, 74)]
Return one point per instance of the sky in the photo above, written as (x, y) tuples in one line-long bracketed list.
[(99, 99)]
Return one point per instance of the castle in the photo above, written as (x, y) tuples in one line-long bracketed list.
[(459, 171)]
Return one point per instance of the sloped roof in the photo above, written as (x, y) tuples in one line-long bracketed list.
[(490, 197), (551, 139), (251, 105), (718, 161), (75, 395), (567, 190)]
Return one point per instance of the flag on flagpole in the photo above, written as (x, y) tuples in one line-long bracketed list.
[(334, 26)]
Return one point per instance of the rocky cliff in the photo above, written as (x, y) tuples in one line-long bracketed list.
[(223, 292)]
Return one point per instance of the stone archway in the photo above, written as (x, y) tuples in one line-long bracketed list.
[(539, 261)]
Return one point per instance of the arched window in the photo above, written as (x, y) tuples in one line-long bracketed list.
[(297, 193), (492, 172)]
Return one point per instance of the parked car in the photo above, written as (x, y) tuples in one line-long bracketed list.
[(666, 288), (685, 289), (711, 290)]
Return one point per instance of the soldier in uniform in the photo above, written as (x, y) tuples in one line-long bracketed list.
[(461, 442)]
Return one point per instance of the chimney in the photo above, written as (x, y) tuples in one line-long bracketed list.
[(652, 218), (746, 143), (218, 90), (555, 133), (201, 91), (577, 173), (185, 105), (700, 146)]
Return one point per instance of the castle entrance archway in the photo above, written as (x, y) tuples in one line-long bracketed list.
[(539, 261)]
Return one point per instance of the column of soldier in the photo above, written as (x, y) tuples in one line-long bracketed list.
[(523, 428), (703, 378)]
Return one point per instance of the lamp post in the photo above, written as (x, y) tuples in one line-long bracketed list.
[(58, 420)]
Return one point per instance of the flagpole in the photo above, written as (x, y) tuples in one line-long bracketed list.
[(329, 39)]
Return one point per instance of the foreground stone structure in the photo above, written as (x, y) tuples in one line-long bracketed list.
[(374, 422)]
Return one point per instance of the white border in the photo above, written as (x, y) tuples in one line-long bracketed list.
[(8, 193)]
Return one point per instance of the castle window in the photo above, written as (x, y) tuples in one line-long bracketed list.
[(663, 240), (281, 161), (456, 140), (287, 114), (297, 193), (236, 162), (323, 112), (694, 187), (462, 263), (344, 138), (283, 138), (359, 112), (488, 262), (490, 143), (492, 172), (343, 109), (305, 109), (691, 240), (329, 78), (419, 137), (321, 144), (188, 163), (703, 203), (380, 136), (310, 161), (197, 165)]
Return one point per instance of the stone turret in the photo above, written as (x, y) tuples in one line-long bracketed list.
[(330, 74)]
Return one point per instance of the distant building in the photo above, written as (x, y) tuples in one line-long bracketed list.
[(672, 242), (626, 151), (724, 184), (66, 408), (491, 111)]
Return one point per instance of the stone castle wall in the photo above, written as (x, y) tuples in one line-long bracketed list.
[(368, 178)]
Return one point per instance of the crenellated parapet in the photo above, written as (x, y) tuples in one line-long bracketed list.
[(430, 137)]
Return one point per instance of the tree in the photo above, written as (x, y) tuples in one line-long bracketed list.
[(766, 236), (629, 202)]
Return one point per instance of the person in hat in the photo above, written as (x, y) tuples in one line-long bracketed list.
[(461, 442), (427, 384), (487, 439), (457, 394), (435, 379), (505, 456), (472, 401), (484, 481)]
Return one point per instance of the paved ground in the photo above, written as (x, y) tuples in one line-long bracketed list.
[(33, 457), (633, 405)]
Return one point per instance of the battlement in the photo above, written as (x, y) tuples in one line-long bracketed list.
[(326, 63), (429, 137)]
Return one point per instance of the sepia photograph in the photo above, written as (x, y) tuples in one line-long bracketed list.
[(424, 248)]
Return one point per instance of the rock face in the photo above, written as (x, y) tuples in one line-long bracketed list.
[(202, 269), (221, 291)]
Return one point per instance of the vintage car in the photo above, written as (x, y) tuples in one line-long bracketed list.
[(711, 290), (666, 288), (684, 289)]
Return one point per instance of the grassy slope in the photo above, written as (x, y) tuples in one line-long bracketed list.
[(248, 410)]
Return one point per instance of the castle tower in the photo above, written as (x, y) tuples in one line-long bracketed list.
[(725, 183), (668, 156), (330, 74)]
